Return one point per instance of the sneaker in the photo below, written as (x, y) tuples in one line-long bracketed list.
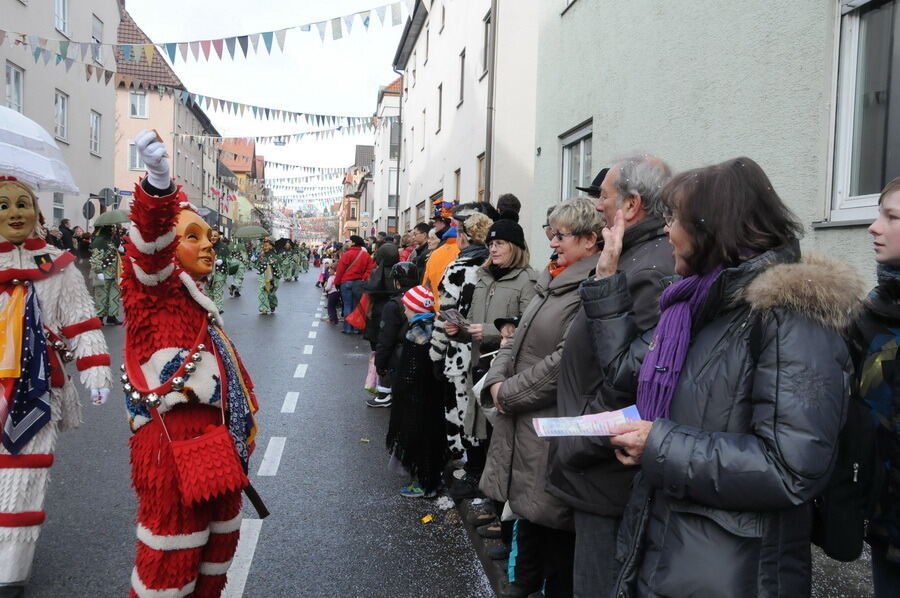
[(379, 400), (414, 490), (467, 487), (498, 553)]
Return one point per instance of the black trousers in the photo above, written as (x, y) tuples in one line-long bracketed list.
[(542, 557)]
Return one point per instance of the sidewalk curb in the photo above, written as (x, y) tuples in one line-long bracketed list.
[(495, 570)]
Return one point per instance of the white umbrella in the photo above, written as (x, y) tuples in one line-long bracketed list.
[(29, 153)]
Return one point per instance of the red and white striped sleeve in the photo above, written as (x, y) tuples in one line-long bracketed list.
[(82, 329), (150, 251)]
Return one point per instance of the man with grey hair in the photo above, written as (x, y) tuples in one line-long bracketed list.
[(582, 472)]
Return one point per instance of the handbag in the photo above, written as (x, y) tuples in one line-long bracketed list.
[(207, 465)]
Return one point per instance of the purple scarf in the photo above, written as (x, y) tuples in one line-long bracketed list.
[(659, 374)]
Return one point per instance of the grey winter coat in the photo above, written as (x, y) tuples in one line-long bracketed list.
[(505, 297), (528, 368), (722, 506), (583, 472)]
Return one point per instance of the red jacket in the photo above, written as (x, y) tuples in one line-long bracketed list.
[(351, 268)]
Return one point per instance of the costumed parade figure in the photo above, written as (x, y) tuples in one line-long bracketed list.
[(47, 318), (190, 401), (289, 262), (105, 273), (268, 266), (215, 286), (304, 258), (239, 262)]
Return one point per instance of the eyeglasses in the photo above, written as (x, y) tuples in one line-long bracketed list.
[(560, 236)]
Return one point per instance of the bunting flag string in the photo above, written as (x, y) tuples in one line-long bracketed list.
[(65, 53), (291, 138), (336, 27)]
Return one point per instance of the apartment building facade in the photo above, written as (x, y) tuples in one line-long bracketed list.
[(79, 111), (386, 169), (147, 98)]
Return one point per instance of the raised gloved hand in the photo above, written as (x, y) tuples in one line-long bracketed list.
[(99, 395), (101, 276), (153, 153)]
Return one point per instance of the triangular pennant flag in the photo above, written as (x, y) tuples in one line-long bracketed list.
[(348, 22), (279, 36), (46, 54), (254, 41), (395, 14), (107, 75), (255, 111), (195, 49), (218, 45), (85, 46), (267, 39), (380, 10), (230, 43), (242, 108), (336, 28), (88, 71), (184, 96), (36, 53), (305, 28), (127, 54), (364, 16), (63, 47), (244, 41), (204, 45), (69, 63), (59, 59), (42, 42), (321, 27), (149, 50), (183, 50), (98, 73), (170, 50)]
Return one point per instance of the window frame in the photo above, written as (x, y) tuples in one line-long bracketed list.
[(576, 135), (440, 107), (59, 203), (61, 129), (94, 136), (146, 104), (462, 77), (97, 42), (61, 23), (427, 43), (486, 48), (480, 175), (457, 179), (840, 206), (12, 67)]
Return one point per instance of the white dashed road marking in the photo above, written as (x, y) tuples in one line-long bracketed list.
[(312, 334), (272, 458), (315, 323), (290, 402), (300, 372), (243, 558), (307, 349)]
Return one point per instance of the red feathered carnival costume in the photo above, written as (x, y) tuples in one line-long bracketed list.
[(47, 318), (182, 369)]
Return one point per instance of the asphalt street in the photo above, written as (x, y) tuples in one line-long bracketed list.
[(338, 525)]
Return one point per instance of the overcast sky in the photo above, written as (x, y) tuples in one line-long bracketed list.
[(335, 77)]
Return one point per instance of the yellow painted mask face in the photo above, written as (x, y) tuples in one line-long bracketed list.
[(195, 252), (18, 212)]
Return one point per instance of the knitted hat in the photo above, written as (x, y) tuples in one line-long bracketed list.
[(419, 299), (507, 230)]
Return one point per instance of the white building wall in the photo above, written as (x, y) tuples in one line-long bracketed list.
[(384, 178), (92, 171), (430, 156), (515, 89), (697, 83)]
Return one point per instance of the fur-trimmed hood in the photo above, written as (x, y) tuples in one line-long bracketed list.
[(822, 288)]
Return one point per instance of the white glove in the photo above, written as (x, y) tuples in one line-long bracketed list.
[(101, 276), (153, 154), (99, 395)]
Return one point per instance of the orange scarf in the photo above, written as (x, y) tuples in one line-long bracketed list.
[(555, 269)]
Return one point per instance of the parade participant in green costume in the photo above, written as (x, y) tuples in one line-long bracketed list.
[(105, 273), (215, 282), (268, 266), (239, 253), (304, 257)]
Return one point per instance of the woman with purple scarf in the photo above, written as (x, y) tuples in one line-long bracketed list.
[(742, 389)]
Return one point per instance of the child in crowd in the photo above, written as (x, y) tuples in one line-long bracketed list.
[(333, 296), (416, 438), (323, 273)]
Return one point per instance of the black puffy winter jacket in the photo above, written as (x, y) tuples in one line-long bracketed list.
[(722, 506)]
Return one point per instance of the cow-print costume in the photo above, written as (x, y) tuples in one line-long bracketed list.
[(456, 289)]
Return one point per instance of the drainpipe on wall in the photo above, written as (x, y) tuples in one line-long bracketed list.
[(399, 147), (489, 141)]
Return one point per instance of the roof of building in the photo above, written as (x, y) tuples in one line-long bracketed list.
[(158, 72), (410, 35), (392, 90), (365, 156), (242, 163)]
